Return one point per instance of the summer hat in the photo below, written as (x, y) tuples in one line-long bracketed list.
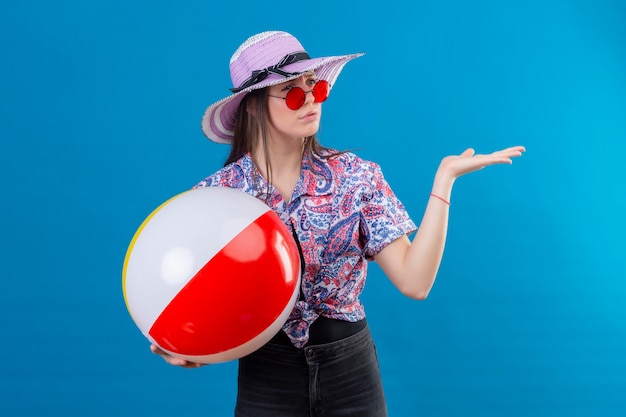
[(265, 59)]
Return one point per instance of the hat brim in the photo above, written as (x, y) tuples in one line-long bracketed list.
[(219, 119)]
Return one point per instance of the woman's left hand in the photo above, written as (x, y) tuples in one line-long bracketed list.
[(455, 166), (413, 266)]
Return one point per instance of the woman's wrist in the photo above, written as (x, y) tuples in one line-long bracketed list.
[(443, 200), (442, 185)]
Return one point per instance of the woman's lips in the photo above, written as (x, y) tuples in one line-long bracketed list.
[(312, 115)]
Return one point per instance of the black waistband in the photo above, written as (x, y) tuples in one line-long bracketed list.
[(324, 330)]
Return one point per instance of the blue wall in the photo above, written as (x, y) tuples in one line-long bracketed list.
[(100, 105)]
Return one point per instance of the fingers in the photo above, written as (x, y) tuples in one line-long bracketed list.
[(503, 156), (512, 151), (468, 152), (518, 148), (468, 161), (167, 357), (157, 350), (190, 365), (172, 360)]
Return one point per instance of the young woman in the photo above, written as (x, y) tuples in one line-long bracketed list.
[(342, 213)]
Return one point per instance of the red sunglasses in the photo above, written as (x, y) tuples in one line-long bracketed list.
[(296, 96)]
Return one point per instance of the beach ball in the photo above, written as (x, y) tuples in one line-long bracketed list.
[(211, 275)]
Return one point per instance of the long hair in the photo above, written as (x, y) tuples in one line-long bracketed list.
[(252, 122)]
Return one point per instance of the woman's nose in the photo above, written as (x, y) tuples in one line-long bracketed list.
[(308, 94)]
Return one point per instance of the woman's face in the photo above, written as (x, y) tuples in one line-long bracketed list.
[(288, 124)]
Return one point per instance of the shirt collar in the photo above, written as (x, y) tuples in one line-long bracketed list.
[(315, 180)]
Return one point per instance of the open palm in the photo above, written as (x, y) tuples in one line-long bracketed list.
[(468, 161)]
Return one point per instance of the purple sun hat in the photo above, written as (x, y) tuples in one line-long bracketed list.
[(265, 59)]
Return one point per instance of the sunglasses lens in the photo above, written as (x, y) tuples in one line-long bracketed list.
[(321, 91), (295, 98)]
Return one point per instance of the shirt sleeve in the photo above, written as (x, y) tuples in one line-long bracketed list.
[(221, 178), (383, 216)]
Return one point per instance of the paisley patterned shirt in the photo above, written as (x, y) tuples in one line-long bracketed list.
[(344, 213)]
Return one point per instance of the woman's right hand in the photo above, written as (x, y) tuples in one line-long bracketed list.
[(172, 360)]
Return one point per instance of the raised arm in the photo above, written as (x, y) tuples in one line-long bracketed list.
[(413, 266)]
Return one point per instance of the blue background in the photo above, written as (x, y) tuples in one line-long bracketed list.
[(100, 105)]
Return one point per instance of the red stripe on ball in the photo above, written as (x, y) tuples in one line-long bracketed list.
[(236, 295)]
